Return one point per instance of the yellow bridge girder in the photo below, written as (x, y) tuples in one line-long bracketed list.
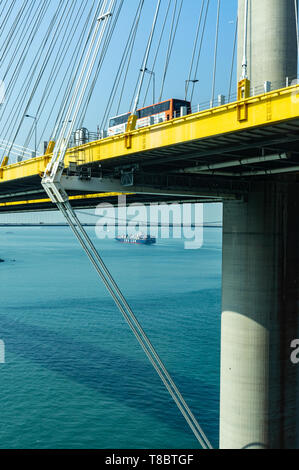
[(268, 108), (29, 202)]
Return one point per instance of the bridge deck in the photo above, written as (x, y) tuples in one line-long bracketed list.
[(169, 154)]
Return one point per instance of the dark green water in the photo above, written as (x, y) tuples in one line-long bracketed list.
[(74, 375)]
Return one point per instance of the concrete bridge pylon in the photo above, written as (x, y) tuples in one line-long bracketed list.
[(259, 385)]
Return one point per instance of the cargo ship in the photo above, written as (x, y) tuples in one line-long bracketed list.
[(139, 239)]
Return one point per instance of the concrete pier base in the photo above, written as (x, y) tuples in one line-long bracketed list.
[(259, 394)]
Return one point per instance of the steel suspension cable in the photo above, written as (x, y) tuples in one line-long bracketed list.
[(63, 27), (35, 22), (233, 60), (144, 65), (48, 54), (131, 48), (13, 30), (63, 50), (70, 102), (200, 47), (140, 79), (132, 321), (126, 57), (9, 73), (7, 15), (215, 54), (297, 27), (20, 41), (74, 66), (194, 49), (110, 33), (170, 46), (40, 74), (157, 51), (48, 182), (77, 97), (16, 107)]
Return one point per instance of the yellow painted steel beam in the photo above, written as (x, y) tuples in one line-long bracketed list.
[(4, 162), (47, 200), (269, 108)]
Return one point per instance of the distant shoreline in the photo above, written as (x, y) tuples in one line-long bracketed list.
[(111, 225)]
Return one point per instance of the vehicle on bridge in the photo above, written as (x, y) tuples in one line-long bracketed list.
[(153, 114)]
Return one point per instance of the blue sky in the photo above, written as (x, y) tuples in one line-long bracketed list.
[(178, 70)]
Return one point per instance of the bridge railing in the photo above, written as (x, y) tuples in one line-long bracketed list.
[(266, 87), (83, 135)]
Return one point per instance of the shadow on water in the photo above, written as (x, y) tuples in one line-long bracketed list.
[(117, 376)]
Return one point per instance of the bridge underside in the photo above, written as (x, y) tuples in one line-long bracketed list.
[(210, 156), (207, 170)]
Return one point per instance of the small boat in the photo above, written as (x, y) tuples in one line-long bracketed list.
[(139, 239)]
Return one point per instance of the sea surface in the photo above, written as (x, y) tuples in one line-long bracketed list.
[(74, 375)]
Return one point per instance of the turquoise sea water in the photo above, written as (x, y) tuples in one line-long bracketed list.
[(74, 375)]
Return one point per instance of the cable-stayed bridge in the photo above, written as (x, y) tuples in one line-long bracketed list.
[(209, 155), (241, 150)]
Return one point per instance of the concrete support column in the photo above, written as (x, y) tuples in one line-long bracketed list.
[(260, 316), (271, 42)]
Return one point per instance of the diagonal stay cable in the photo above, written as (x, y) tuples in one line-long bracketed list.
[(54, 188), (194, 49), (157, 52), (100, 63), (215, 53), (73, 68), (172, 36), (200, 47), (297, 27), (129, 54), (233, 61), (131, 319), (126, 57), (7, 15), (60, 38)]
